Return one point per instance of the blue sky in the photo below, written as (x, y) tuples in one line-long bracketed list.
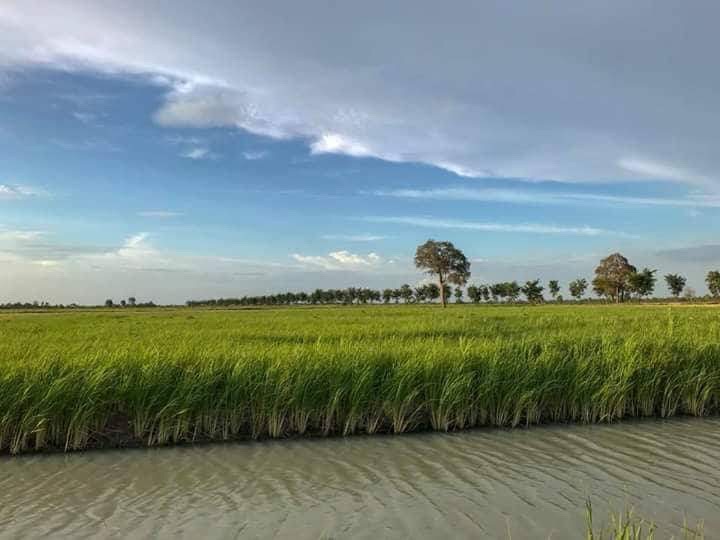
[(201, 160)]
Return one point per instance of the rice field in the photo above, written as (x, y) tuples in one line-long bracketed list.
[(79, 379)]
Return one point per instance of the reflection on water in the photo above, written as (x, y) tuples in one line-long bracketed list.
[(471, 484)]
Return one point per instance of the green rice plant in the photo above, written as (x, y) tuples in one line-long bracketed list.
[(74, 380)]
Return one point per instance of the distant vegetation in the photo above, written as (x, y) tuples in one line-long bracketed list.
[(615, 280), (150, 377)]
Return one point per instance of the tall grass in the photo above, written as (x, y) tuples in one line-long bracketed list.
[(625, 525), (69, 381)]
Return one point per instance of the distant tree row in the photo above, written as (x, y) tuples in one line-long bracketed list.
[(36, 305), (503, 292), (130, 302), (615, 280)]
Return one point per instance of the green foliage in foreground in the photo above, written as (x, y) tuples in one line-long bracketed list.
[(626, 525), (73, 380)]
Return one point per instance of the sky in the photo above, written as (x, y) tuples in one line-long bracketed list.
[(176, 150)]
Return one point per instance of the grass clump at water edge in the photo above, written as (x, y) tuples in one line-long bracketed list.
[(625, 525)]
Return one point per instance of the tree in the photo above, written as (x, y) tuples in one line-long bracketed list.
[(444, 260), (447, 291), (432, 291), (458, 295), (713, 282), (485, 291), (612, 276), (396, 295), (512, 290), (676, 284), (578, 288), (406, 293), (387, 295), (554, 288), (642, 283), (474, 294), (109, 303), (420, 293), (533, 291), (132, 301), (123, 303)]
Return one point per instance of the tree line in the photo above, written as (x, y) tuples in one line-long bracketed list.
[(615, 280), (130, 302)]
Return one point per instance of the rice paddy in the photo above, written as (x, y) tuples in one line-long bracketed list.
[(74, 380)]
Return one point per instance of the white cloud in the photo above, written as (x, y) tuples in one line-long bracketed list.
[(341, 260), (195, 105), (462, 170), (354, 237), (16, 236), (197, 153), (47, 263), (14, 191), (654, 170), (255, 155), (529, 107), (530, 228), (136, 251), (334, 143), (182, 110), (525, 196), (159, 214)]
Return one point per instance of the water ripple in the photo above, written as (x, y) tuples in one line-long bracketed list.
[(532, 482)]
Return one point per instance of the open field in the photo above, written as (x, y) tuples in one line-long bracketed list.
[(111, 378)]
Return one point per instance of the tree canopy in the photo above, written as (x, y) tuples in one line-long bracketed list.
[(642, 283), (533, 291), (445, 261), (713, 282), (612, 277), (676, 283), (554, 288), (578, 287)]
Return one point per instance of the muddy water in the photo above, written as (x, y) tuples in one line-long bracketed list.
[(476, 484)]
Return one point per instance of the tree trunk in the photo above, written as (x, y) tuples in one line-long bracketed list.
[(442, 293)]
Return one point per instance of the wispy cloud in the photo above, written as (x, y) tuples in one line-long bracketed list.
[(159, 214), (187, 140), (13, 235), (38, 247), (88, 145), (661, 171), (354, 237), (255, 155), (340, 260), (198, 153), (530, 228), (526, 196), (85, 117), (15, 191)]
